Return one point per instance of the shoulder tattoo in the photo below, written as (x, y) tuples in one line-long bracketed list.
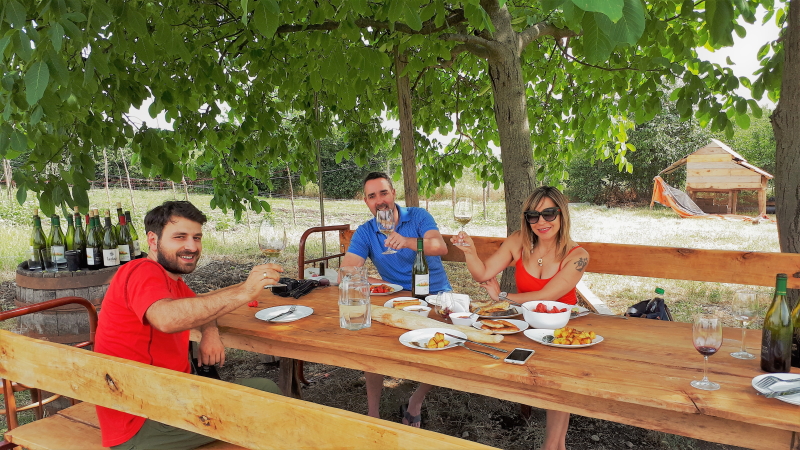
[(581, 263)]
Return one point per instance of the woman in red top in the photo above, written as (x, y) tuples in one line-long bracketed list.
[(549, 266)]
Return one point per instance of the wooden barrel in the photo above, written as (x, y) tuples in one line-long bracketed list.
[(68, 324)]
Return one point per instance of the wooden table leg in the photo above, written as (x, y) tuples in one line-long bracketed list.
[(288, 379)]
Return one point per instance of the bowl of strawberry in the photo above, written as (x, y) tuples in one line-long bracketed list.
[(546, 314)]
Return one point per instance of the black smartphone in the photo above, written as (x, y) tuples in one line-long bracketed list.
[(519, 356)]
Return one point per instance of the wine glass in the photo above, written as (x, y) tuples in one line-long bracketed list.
[(462, 213), (444, 304), (271, 241), (745, 308), (707, 339), (385, 219)]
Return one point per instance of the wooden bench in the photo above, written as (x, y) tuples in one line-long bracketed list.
[(722, 266), (244, 417)]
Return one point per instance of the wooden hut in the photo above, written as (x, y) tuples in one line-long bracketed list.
[(717, 168)]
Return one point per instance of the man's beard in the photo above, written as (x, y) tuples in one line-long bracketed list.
[(173, 264)]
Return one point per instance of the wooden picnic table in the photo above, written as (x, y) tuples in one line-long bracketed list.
[(639, 375)]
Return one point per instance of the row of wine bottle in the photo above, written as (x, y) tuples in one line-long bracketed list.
[(780, 339), (97, 247)]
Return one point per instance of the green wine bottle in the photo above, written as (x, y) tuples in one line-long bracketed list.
[(125, 243), (796, 335), (79, 244), (776, 337), (57, 243), (118, 225), (69, 237), (38, 243), (94, 247), (137, 248), (420, 275), (110, 245)]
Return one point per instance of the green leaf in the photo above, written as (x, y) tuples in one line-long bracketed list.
[(411, 17), (395, 10), (244, 11), (610, 8), (720, 20), (80, 196), (56, 33), (19, 142), (743, 121), (266, 21), (22, 193), (744, 9), (37, 114), (36, 82), (46, 202), (756, 110), (23, 46), (629, 28), (15, 14), (597, 46)]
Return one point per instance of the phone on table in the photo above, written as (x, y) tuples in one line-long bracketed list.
[(519, 356)]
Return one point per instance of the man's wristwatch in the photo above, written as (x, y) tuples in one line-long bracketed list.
[(503, 296)]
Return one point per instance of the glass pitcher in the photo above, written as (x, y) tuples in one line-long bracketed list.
[(354, 305)]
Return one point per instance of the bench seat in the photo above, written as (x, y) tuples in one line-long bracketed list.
[(74, 428)]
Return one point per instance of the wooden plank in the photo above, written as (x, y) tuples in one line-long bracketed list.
[(716, 165), (724, 186), (486, 247), (597, 305), (730, 182), (696, 172), (56, 433), (710, 149), (83, 412), (722, 157), (232, 413), (722, 266)]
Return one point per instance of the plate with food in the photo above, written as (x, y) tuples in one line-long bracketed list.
[(501, 326), (402, 302), (431, 338), (384, 288), (566, 337), (495, 310)]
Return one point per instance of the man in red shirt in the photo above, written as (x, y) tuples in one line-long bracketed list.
[(148, 311)]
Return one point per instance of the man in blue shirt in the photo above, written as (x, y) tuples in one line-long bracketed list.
[(367, 242)]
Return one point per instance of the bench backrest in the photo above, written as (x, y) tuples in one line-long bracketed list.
[(233, 413), (721, 266)]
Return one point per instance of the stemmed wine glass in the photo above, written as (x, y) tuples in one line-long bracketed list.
[(385, 219), (271, 241), (745, 308), (707, 339), (462, 213), (444, 304)]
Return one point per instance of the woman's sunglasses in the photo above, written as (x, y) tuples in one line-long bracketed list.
[(549, 214)]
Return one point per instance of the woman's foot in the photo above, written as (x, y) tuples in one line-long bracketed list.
[(409, 418)]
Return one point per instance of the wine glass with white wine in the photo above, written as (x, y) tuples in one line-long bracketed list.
[(462, 213), (385, 219), (271, 241), (745, 308)]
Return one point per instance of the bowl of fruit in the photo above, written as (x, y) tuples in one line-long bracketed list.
[(546, 313)]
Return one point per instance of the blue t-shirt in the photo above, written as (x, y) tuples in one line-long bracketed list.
[(368, 242)]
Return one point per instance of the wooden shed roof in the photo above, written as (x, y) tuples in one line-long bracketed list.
[(737, 158)]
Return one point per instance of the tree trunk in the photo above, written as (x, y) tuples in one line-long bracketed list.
[(291, 194), (786, 124), (105, 162), (511, 114), (128, 175), (408, 152)]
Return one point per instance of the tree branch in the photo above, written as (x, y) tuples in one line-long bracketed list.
[(468, 39), (534, 32), (607, 69)]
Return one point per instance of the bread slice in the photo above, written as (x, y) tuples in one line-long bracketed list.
[(498, 325), (400, 304)]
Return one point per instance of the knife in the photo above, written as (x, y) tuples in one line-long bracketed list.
[(479, 343), (774, 394)]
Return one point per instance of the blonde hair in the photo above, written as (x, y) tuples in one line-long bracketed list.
[(529, 238)]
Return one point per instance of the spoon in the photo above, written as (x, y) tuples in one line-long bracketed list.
[(548, 338), (575, 315)]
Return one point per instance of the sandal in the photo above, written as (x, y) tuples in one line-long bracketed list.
[(413, 421)]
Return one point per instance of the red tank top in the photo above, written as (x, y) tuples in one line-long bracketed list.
[(528, 283)]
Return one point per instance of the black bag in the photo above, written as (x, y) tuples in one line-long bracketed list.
[(654, 308), (295, 288)]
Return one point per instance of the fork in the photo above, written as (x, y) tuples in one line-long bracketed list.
[(292, 309), (768, 381), (461, 344)]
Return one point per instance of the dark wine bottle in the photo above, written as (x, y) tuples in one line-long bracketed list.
[(38, 242), (110, 245), (118, 225), (137, 249), (94, 247), (420, 275), (125, 244), (796, 335), (776, 338), (79, 243), (69, 236), (57, 244)]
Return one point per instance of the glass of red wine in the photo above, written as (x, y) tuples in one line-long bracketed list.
[(707, 339)]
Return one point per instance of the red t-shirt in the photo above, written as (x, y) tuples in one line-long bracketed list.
[(124, 332), (529, 283)]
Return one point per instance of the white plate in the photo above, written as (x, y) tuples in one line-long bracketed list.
[(793, 399), (538, 333), (424, 335), (395, 288), (299, 313), (521, 324), (518, 313), (390, 303)]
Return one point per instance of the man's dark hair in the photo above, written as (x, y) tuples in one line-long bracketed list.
[(157, 218), (375, 176)]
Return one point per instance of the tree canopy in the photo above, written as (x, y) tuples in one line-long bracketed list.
[(247, 83)]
